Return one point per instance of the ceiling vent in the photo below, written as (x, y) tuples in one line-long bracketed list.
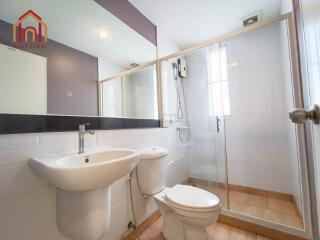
[(251, 18)]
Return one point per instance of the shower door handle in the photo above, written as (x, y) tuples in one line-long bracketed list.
[(300, 115), (218, 124)]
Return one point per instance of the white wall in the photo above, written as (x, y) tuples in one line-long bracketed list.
[(23, 82), (286, 6), (165, 45), (171, 121), (27, 203)]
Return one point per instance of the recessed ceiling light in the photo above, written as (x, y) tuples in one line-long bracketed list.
[(103, 34)]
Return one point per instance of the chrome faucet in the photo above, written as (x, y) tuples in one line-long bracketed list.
[(82, 132)]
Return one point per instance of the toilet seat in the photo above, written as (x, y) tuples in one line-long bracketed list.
[(191, 199)]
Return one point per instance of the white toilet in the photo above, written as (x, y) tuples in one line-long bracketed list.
[(187, 211)]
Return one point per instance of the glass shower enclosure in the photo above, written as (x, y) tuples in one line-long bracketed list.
[(241, 144)]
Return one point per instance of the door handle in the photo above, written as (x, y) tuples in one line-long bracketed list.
[(300, 115)]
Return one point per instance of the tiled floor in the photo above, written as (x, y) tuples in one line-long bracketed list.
[(268, 208), (217, 231)]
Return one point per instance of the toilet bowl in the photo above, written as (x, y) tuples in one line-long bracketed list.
[(187, 211)]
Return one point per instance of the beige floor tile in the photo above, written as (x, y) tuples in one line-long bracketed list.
[(238, 207), (150, 234), (282, 206), (258, 201), (242, 235), (280, 218), (224, 232), (294, 221), (157, 225), (239, 196), (219, 232), (216, 231), (273, 216), (263, 238), (256, 211)]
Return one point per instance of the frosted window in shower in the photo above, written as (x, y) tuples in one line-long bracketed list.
[(218, 83)]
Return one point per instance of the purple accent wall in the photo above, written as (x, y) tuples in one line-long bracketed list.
[(131, 16), (68, 69)]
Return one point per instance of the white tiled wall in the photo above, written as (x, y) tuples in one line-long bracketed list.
[(258, 131), (27, 203)]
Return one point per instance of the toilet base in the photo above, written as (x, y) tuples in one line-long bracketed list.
[(175, 229), (195, 233), (180, 231), (172, 227)]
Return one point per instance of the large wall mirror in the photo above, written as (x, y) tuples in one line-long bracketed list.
[(88, 62)]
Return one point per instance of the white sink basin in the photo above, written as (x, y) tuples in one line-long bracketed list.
[(83, 194), (87, 171)]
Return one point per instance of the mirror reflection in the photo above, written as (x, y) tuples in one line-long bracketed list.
[(59, 65), (139, 95)]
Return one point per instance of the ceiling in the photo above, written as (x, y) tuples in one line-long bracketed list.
[(187, 22), (78, 23)]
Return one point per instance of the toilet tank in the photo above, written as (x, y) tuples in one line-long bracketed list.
[(152, 169)]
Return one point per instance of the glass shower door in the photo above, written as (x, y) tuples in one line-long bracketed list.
[(206, 154), (263, 161)]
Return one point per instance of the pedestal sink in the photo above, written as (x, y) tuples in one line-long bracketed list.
[(83, 192)]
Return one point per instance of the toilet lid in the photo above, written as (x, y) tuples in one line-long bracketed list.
[(192, 198)]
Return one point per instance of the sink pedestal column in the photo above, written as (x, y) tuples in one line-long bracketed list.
[(84, 215)]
